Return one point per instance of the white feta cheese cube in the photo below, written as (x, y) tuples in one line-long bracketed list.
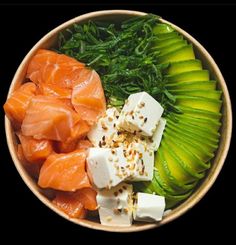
[(148, 207), (156, 138), (105, 128), (106, 167), (115, 205), (140, 114), (140, 159)]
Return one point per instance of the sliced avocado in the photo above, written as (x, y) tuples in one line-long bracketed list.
[(178, 169), (201, 122), (212, 94), (190, 174), (187, 156), (208, 85), (162, 28), (164, 36), (172, 47), (196, 136), (197, 149), (184, 66), (203, 130), (166, 181), (189, 76), (184, 53), (163, 43), (165, 177), (195, 102), (199, 113)]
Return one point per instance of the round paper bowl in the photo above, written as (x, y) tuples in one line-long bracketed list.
[(48, 41)]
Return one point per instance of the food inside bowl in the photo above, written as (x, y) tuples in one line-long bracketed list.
[(119, 119)]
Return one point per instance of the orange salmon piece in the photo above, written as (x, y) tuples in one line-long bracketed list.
[(84, 144), (65, 172), (79, 131), (70, 205), (88, 96), (16, 105), (49, 118), (32, 169), (35, 151), (52, 68)]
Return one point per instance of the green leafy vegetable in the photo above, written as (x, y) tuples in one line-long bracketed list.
[(123, 57)]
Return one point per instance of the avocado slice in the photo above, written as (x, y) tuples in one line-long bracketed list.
[(187, 156), (184, 66), (178, 169), (199, 113), (163, 43), (197, 149), (189, 76), (212, 94), (166, 178), (162, 28), (201, 122), (172, 47), (190, 175), (195, 102), (208, 85), (208, 132), (184, 53), (164, 36), (196, 136)]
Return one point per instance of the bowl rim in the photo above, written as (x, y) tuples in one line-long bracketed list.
[(179, 210)]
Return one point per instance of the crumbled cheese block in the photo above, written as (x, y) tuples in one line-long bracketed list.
[(140, 159), (105, 128), (148, 207), (140, 114), (106, 167), (115, 205), (156, 138)]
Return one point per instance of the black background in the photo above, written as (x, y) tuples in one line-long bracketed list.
[(21, 26)]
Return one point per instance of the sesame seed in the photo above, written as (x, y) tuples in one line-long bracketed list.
[(117, 117), (133, 117), (117, 211), (145, 119), (104, 127), (124, 187), (114, 125), (110, 119), (109, 218), (142, 103), (126, 210), (120, 190), (116, 193), (140, 117), (100, 144), (103, 137)]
